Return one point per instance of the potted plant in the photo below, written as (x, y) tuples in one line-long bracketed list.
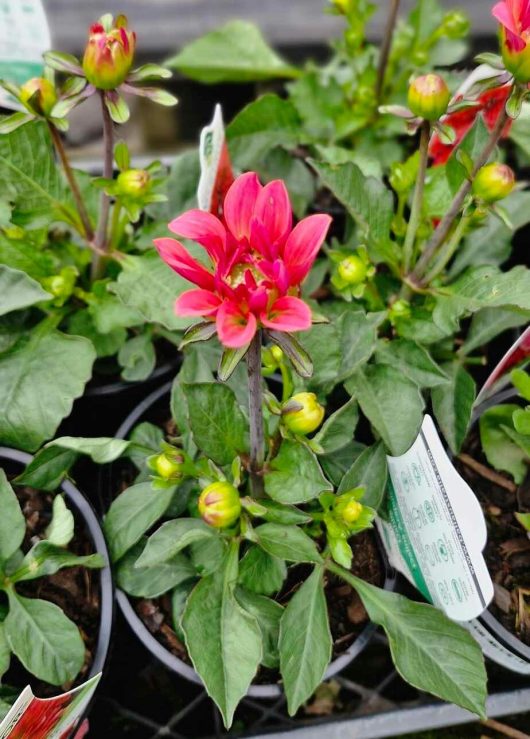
[(72, 245), (57, 594), (252, 533)]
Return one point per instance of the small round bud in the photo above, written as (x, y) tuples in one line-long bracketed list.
[(109, 53), (493, 182), (168, 465), (220, 505), (456, 24), (352, 270), (351, 511), (133, 182), (38, 96), (399, 309), (428, 97), (277, 353), (304, 419), (419, 57)]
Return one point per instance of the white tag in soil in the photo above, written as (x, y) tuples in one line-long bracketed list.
[(24, 36), (216, 170), (434, 530), (55, 717)]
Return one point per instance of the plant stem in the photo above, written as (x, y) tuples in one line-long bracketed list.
[(255, 412), (441, 232), (74, 187), (101, 240), (417, 200), (385, 49), (448, 250)]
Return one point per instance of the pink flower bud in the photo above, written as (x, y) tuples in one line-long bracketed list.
[(219, 504), (428, 97), (493, 182), (109, 53)]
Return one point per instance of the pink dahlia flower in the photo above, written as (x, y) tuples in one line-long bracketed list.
[(514, 17), (257, 261)]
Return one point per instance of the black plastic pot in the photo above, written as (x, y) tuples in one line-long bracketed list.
[(175, 664), (487, 620), (13, 459)]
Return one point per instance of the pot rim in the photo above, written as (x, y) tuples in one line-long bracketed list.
[(116, 387), (107, 608), (493, 625), (174, 663)]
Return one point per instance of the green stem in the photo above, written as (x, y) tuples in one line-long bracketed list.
[(255, 412), (101, 240), (417, 200), (116, 226), (385, 49), (341, 572), (88, 232), (448, 250)]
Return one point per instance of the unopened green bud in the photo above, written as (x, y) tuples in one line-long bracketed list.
[(168, 465), (219, 504), (38, 96), (399, 309), (352, 270), (133, 182), (455, 24), (302, 413), (277, 353), (428, 97), (493, 182)]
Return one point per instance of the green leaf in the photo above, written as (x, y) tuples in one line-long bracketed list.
[(151, 582), (218, 425), (45, 558), (339, 428), (12, 122), (207, 554), (132, 514), (500, 450), (12, 521), (305, 641), (287, 542), (137, 357), (278, 513), (179, 598), (48, 468), (295, 475), (471, 147), (357, 341), (147, 285), (263, 124), (171, 538), (488, 323), (101, 450), (39, 386), (521, 380), (229, 361), (223, 640), (429, 650), (294, 351), (268, 614), (5, 655), (47, 643), (369, 471), (366, 199), (452, 404), (236, 52), (60, 530), (413, 360), (17, 290), (28, 168), (391, 402), (260, 572)]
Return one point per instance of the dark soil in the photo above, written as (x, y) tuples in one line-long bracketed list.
[(74, 589), (507, 551)]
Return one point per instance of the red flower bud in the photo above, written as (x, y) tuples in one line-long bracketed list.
[(109, 53), (38, 96), (219, 504), (493, 182), (428, 97)]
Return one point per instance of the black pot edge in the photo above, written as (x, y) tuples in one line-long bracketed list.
[(76, 498), (119, 386), (175, 664), (487, 619)]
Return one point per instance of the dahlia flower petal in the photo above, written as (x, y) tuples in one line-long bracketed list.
[(239, 204), (287, 314), (273, 209), (202, 227), (303, 245), (235, 328), (197, 303), (181, 261), (504, 13)]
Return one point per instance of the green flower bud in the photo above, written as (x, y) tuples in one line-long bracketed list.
[(38, 96), (517, 62), (352, 270), (428, 97), (347, 506), (302, 413), (493, 182), (168, 464), (220, 505), (133, 182), (399, 309), (61, 286), (109, 53), (277, 353), (456, 24)]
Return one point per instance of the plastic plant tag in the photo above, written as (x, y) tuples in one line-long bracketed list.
[(516, 354), (492, 648), (216, 168), (47, 718), (24, 36), (433, 528)]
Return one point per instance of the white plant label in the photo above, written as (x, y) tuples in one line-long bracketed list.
[(24, 36), (216, 170), (434, 530)]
